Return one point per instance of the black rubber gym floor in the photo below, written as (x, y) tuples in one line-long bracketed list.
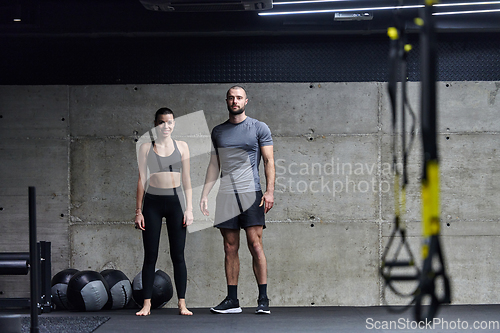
[(454, 318)]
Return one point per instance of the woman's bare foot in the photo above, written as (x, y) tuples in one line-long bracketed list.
[(183, 310), (146, 308)]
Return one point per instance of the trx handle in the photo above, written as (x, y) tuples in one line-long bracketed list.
[(427, 285)]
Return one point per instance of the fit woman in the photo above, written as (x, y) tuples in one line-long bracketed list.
[(168, 163)]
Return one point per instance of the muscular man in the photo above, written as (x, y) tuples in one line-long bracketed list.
[(239, 144)]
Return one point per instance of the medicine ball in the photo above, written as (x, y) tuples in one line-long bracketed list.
[(88, 291), (162, 289), (120, 289), (59, 288)]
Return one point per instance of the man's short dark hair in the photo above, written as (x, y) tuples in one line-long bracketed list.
[(237, 87)]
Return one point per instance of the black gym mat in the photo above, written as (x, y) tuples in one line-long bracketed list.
[(80, 324), (311, 319)]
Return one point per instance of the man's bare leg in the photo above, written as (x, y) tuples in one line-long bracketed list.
[(231, 259), (254, 240)]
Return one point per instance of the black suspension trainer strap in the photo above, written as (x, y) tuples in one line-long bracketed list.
[(427, 299), (425, 296), (404, 264)]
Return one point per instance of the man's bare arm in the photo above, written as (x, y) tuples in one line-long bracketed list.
[(268, 159)]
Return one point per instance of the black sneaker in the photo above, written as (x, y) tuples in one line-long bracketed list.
[(263, 306), (228, 305)]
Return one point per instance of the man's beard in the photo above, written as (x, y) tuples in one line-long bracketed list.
[(236, 112)]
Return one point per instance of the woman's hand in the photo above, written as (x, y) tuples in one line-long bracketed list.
[(139, 221), (188, 218)]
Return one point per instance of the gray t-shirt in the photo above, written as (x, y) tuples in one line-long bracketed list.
[(238, 148)]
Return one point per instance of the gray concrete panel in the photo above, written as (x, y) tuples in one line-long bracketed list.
[(315, 109), (470, 254), (468, 165), (461, 106), (468, 106), (34, 111), (104, 179), (322, 263), (470, 183), (473, 263), (107, 246), (328, 178), (324, 109), (101, 111), (34, 162)]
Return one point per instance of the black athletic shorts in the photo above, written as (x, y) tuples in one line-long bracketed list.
[(239, 210)]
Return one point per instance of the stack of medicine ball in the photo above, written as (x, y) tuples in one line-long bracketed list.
[(109, 289)]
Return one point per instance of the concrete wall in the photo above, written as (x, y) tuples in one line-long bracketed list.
[(334, 197)]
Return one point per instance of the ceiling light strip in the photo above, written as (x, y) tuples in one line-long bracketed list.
[(340, 10), (482, 3), (468, 12), (305, 2)]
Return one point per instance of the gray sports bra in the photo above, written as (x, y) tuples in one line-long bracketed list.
[(171, 163)]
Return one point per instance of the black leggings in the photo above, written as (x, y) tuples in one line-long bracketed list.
[(155, 208)]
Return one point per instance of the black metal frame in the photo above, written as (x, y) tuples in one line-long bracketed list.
[(44, 278), (40, 268)]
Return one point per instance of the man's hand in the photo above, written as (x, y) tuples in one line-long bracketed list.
[(268, 201), (204, 205)]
